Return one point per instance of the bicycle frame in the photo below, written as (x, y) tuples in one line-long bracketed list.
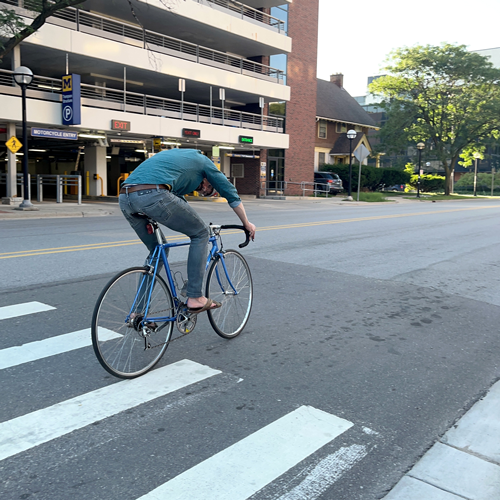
[(154, 262)]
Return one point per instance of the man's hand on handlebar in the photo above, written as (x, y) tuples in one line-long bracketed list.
[(251, 229)]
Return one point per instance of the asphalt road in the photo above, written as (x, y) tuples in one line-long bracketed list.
[(380, 321)]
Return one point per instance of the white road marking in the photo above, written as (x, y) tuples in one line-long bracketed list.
[(19, 355), (33, 429), (244, 468), (16, 310), (326, 473)]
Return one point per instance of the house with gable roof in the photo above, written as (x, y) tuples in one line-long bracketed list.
[(336, 113)]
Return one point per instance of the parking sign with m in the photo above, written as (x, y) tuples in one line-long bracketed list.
[(71, 100)]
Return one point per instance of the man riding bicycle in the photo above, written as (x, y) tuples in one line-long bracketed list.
[(157, 188)]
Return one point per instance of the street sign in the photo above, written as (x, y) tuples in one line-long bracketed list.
[(14, 144), (54, 133), (361, 153), (71, 100), (245, 139)]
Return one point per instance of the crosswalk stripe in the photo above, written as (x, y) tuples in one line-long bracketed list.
[(33, 429), (244, 468), (16, 310), (18, 355)]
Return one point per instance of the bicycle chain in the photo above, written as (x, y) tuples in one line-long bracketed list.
[(171, 340)]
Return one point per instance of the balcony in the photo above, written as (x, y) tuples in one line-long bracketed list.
[(248, 13), (50, 89), (104, 27)]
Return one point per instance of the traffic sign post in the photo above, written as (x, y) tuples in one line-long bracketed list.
[(361, 153)]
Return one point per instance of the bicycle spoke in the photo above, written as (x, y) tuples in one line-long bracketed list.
[(229, 320), (120, 310)]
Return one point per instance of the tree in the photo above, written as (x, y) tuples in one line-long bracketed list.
[(442, 95), (13, 27)]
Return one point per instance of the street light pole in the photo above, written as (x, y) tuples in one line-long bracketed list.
[(351, 134), (23, 76), (420, 146)]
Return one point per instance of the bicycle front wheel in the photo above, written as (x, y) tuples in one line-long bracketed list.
[(229, 281), (121, 343)]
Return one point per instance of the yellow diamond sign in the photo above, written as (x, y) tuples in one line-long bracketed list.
[(13, 144)]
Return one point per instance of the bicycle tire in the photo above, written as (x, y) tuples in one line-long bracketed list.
[(229, 320), (120, 345)]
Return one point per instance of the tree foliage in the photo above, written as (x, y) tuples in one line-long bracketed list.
[(14, 29), (444, 96), (429, 183)]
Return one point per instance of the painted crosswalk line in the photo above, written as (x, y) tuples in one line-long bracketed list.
[(17, 355), (16, 310), (244, 468), (326, 473), (33, 429)]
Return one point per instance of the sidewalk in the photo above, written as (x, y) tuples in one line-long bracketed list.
[(464, 463), (47, 209), (97, 208)]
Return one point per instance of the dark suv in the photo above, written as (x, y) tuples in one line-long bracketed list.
[(327, 182)]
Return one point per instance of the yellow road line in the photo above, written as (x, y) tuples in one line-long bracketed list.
[(111, 244)]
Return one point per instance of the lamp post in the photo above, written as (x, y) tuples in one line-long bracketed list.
[(23, 77), (420, 147), (351, 134)]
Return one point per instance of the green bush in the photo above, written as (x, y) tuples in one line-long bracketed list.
[(466, 183), (372, 178), (429, 183)]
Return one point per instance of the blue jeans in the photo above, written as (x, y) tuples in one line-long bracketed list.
[(176, 214)]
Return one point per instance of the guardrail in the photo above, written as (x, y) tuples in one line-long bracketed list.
[(46, 88), (280, 188), (244, 11), (19, 181), (62, 182), (130, 34)]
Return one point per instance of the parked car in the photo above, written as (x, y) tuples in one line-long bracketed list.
[(396, 187), (327, 182)]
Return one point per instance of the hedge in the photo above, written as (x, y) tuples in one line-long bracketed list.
[(372, 178)]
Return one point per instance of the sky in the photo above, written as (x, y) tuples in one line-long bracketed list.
[(356, 37)]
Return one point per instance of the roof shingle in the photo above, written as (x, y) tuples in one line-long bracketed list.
[(335, 103)]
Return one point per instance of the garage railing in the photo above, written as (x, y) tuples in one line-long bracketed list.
[(46, 88)]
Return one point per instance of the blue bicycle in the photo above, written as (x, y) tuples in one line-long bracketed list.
[(135, 313)]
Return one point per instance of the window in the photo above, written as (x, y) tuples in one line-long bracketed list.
[(238, 170), (321, 159), (341, 128), (322, 129)]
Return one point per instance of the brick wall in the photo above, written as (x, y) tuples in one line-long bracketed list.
[(250, 184), (301, 77)]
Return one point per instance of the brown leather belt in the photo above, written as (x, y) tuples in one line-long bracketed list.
[(139, 187)]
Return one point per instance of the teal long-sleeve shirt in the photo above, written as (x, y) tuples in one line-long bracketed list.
[(184, 170)]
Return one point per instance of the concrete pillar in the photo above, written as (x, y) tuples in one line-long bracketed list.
[(16, 57), (11, 165), (95, 163)]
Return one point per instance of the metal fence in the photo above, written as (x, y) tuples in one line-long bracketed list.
[(19, 181), (130, 34), (62, 182), (46, 88), (245, 11), (282, 188)]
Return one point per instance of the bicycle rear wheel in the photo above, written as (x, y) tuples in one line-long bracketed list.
[(121, 345), (234, 289)]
